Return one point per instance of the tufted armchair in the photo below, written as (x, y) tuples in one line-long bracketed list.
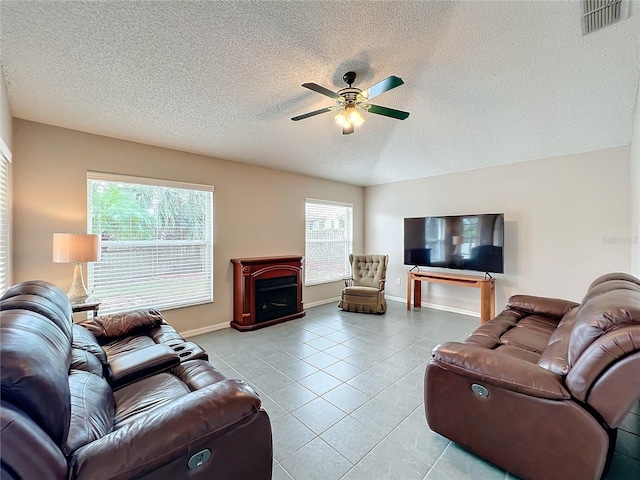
[(364, 291)]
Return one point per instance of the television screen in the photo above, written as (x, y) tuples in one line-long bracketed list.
[(464, 242)]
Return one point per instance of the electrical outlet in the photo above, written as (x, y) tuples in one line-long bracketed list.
[(398, 281)]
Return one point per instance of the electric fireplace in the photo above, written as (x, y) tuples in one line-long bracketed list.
[(266, 291)]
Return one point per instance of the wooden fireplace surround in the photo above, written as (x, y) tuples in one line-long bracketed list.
[(245, 273)]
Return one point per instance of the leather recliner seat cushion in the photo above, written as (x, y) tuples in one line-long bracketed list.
[(92, 409)]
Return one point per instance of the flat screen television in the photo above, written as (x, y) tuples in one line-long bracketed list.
[(463, 242)]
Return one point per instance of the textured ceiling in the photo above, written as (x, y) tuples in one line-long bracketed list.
[(487, 83)]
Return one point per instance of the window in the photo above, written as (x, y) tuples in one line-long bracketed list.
[(156, 242), (329, 241), (5, 196)]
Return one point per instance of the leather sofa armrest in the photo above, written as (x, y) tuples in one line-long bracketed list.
[(166, 433), (553, 307), (504, 371), (138, 364)]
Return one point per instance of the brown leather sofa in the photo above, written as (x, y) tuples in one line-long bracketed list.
[(118, 397), (541, 389)]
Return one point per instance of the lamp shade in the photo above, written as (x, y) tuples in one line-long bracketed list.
[(458, 239), (76, 247)]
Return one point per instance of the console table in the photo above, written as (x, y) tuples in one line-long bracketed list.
[(486, 285)]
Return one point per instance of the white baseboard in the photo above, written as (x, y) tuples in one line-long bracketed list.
[(450, 309), (438, 307), (321, 302), (203, 330), (395, 299)]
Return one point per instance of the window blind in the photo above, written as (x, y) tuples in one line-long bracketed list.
[(156, 242), (5, 251), (329, 241)]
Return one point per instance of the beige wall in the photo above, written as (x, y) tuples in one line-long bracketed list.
[(258, 212), (566, 220), (635, 190)]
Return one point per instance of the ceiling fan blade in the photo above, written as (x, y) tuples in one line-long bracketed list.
[(311, 114), (324, 91), (381, 87), (347, 130), (387, 112)]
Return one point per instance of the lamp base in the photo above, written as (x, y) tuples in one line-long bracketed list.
[(78, 292)]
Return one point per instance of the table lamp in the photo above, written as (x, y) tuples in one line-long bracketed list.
[(76, 248)]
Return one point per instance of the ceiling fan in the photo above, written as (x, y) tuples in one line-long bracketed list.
[(349, 100)]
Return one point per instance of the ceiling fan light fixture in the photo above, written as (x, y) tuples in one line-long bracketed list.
[(349, 117), (351, 100)]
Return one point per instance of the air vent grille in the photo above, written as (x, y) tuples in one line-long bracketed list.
[(600, 13)]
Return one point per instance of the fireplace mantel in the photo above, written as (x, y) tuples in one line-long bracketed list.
[(279, 274)]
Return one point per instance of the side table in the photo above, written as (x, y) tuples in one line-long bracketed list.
[(90, 304)]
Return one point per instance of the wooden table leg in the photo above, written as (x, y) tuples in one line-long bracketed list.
[(487, 301), (417, 293), (493, 299), (409, 291)]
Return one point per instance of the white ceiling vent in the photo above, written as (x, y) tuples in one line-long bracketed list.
[(600, 13)]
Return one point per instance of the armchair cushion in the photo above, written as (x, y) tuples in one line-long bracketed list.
[(363, 291)]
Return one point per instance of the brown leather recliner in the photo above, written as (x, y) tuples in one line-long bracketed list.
[(123, 396), (541, 389)]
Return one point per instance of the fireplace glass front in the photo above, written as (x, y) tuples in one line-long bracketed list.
[(275, 297)]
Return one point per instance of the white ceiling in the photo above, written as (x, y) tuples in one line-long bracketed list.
[(487, 83)]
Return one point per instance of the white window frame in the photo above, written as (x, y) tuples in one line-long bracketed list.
[(164, 301), (344, 269), (5, 217)]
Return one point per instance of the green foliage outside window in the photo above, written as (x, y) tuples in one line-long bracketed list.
[(128, 212)]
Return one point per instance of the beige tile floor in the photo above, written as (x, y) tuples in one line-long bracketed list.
[(344, 392)]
